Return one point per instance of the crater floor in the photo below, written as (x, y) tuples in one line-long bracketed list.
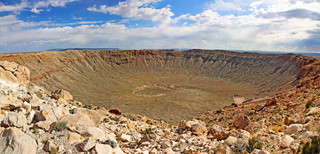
[(162, 84)]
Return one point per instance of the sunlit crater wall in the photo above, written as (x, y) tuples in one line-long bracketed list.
[(163, 84)]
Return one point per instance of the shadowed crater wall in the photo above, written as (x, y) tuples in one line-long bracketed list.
[(163, 84)]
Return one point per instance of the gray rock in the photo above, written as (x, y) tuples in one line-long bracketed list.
[(30, 116), (87, 145), (125, 138), (93, 115), (49, 146), (18, 120), (294, 128), (231, 140), (103, 149), (92, 132), (286, 141), (75, 120), (13, 140)]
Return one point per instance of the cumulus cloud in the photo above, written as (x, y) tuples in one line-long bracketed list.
[(230, 5), (13, 8), (53, 3), (137, 9)]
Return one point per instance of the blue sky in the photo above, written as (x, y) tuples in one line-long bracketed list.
[(269, 25)]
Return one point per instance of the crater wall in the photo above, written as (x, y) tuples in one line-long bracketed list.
[(163, 84)]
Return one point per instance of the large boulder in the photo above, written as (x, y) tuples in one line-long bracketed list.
[(9, 102), (62, 94), (74, 120), (46, 114), (13, 140), (7, 76), (231, 140), (18, 120), (218, 132), (12, 72), (23, 75), (93, 115), (197, 127), (294, 128), (241, 121), (286, 141), (92, 132), (103, 149)]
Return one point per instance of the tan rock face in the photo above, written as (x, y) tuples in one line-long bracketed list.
[(7, 76), (9, 102), (62, 94), (74, 120), (18, 120), (93, 115), (103, 149), (13, 140), (12, 72), (23, 75)]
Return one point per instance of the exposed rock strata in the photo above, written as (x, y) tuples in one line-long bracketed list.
[(71, 127), (204, 80)]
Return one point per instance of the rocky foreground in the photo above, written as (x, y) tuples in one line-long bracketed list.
[(36, 121)]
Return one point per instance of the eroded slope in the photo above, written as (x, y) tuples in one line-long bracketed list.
[(162, 84)]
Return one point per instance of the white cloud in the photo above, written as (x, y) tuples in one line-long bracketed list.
[(230, 5), (137, 9), (53, 3), (13, 8), (35, 10), (209, 29)]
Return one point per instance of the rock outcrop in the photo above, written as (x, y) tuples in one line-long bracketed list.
[(13, 140)]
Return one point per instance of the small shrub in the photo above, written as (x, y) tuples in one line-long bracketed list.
[(148, 131), (122, 122), (71, 111), (60, 126), (277, 110), (114, 118), (105, 120), (253, 144), (53, 150), (239, 147), (129, 116), (313, 147), (35, 130)]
